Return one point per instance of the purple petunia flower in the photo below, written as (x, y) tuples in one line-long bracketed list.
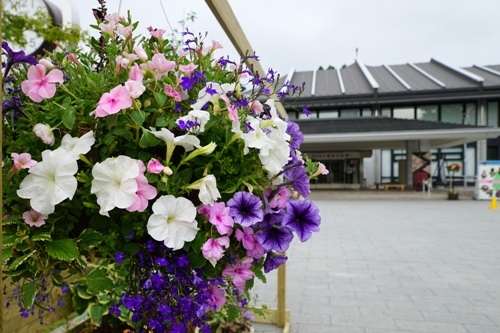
[(273, 261), (297, 177), (245, 208), (275, 239), (296, 135), (303, 217), (306, 111)]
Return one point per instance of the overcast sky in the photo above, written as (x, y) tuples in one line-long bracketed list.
[(304, 35)]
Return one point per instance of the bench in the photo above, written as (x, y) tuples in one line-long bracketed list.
[(387, 186)]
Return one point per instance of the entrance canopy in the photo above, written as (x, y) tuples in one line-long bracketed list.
[(366, 133)]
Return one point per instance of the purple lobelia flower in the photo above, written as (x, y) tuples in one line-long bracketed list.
[(297, 177), (303, 217), (273, 238), (245, 208), (273, 261), (296, 136)]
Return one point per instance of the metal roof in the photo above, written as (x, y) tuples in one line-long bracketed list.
[(411, 82)]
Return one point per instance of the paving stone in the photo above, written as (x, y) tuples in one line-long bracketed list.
[(428, 327)]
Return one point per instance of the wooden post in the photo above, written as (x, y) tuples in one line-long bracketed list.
[(281, 296), (225, 15)]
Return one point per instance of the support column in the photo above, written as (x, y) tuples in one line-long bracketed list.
[(411, 146), (482, 144)]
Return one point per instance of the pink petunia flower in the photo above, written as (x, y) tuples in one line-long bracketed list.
[(159, 65), (213, 249), (246, 237), (157, 33), (188, 69), (219, 217), (22, 161), (172, 93), (155, 166), (39, 86), (218, 298), (110, 103), (240, 272), (145, 192), (34, 218)]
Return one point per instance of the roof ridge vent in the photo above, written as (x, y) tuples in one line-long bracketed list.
[(427, 75), (367, 75), (487, 69), (461, 71), (341, 82), (313, 84), (403, 82)]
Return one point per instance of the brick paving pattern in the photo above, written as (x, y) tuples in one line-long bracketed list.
[(385, 266)]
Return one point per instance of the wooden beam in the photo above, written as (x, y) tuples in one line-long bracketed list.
[(227, 20)]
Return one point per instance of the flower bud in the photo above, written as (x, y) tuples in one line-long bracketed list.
[(45, 133), (154, 166)]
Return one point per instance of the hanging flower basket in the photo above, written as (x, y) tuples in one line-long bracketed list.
[(154, 180)]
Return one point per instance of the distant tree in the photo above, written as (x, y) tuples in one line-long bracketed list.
[(330, 67), (320, 68)]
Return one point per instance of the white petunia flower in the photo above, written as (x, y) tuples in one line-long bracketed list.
[(173, 221), (50, 181), (204, 97), (187, 141), (208, 189), (77, 146), (198, 116), (275, 157), (114, 183)]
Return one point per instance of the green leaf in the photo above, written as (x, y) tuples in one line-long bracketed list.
[(8, 240), (198, 242), (196, 260), (29, 293), (98, 281), (42, 237), (20, 260), (160, 98), (138, 117), (69, 117), (80, 304), (63, 249), (90, 238), (96, 312), (232, 313), (147, 139), (6, 255), (185, 176), (161, 122)]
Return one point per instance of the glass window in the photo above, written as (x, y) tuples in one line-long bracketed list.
[(386, 163), (493, 114), (470, 160), (328, 114), (292, 115), (470, 114), (404, 113), (427, 112), (349, 113), (386, 112), (451, 113), (366, 113), (302, 115)]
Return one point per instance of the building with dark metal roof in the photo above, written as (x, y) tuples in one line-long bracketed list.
[(377, 119)]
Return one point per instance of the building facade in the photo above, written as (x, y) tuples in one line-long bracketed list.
[(372, 124)]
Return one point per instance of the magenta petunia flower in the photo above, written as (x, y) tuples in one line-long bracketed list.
[(219, 217), (303, 217), (39, 86), (240, 272)]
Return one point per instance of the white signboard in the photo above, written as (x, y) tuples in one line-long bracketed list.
[(488, 180)]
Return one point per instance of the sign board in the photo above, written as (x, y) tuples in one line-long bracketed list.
[(488, 180)]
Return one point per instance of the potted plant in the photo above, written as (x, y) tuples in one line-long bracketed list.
[(452, 169), (154, 181)]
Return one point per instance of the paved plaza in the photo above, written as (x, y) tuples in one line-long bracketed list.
[(384, 266)]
